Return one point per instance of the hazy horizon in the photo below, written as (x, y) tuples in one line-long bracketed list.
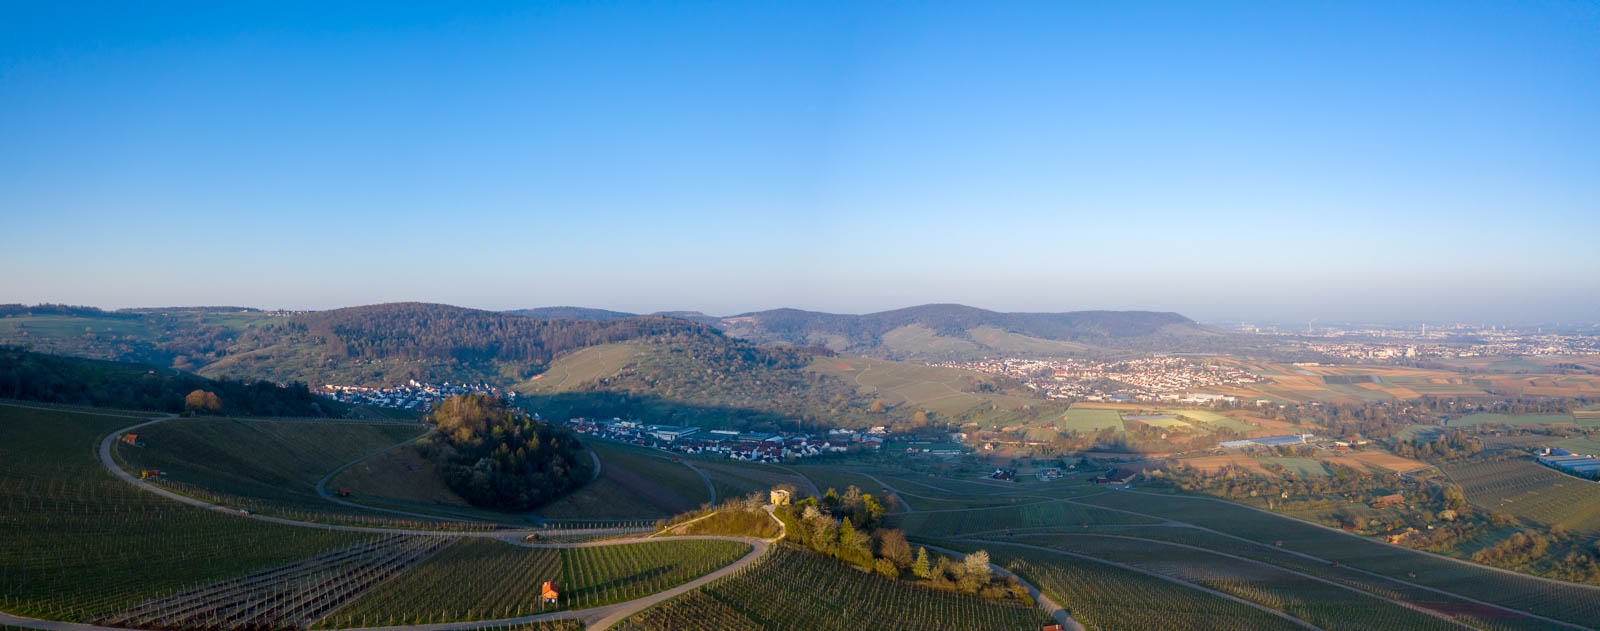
[(1348, 162)]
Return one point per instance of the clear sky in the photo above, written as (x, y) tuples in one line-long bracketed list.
[(1342, 160)]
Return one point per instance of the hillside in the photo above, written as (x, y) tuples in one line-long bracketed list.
[(709, 382), (51, 379), (955, 331), (571, 313)]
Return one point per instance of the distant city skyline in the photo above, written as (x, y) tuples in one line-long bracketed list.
[(1353, 161)]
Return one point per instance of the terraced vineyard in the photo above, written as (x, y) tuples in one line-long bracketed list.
[(481, 579), (1040, 514), (1578, 604), (270, 462), (798, 590), (1528, 490), (80, 543), (288, 597)]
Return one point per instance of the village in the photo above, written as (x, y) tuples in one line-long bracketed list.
[(1163, 378), (759, 446), (411, 396)]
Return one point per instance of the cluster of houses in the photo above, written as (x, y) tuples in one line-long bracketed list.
[(1160, 378), (748, 446), (412, 395)]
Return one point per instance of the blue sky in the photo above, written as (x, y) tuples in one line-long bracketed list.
[(1254, 160)]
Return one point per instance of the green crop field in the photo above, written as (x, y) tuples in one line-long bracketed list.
[(80, 543), (1091, 420), (1324, 604), (1041, 514), (480, 579), (1214, 420), (1528, 490), (268, 466), (796, 590), (1509, 419), (1579, 604)]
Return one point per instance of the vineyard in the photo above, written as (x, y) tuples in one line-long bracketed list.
[(1055, 513), (1568, 602), (80, 543), (483, 579), (268, 466), (1322, 603), (1107, 597), (288, 597), (1528, 490), (1478, 615), (792, 589)]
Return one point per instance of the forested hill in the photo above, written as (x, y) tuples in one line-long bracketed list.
[(392, 342), (948, 330), (572, 313)]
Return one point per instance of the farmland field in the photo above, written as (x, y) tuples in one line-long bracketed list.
[(1091, 420), (1302, 466), (477, 579), (1528, 490), (792, 589), (1588, 445)]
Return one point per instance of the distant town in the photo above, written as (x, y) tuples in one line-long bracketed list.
[(411, 396), (1162, 378), (762, 446)]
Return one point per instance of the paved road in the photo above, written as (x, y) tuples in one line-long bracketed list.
[(597, 618)]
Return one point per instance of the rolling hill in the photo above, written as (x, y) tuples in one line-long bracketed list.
[(956, 331), (949, 331)]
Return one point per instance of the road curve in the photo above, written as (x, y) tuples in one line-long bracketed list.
[(594, 618)]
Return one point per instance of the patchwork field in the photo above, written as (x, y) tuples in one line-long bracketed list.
[(1289, 383)]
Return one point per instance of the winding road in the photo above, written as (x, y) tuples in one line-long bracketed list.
[(594, 618)]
